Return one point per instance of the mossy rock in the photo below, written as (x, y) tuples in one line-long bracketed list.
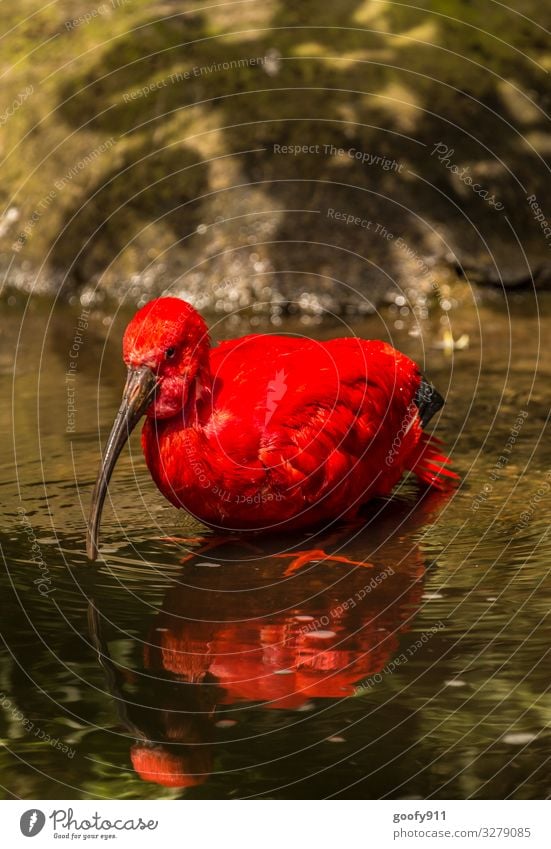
[(190, 110)]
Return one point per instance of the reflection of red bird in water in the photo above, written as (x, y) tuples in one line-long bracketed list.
[(237, 634), (313, 651), (268, 431)]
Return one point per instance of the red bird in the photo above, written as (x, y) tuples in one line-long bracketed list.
[(267, 432)]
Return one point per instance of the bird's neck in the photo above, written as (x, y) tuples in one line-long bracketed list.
[(183, 435)]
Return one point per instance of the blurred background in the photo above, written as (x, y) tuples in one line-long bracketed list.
[(142, 146)]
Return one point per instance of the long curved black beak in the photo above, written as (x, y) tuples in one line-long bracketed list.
[(138, 393)]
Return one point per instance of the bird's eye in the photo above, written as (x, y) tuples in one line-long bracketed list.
[(169, 353)]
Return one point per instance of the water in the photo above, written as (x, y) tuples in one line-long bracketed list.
[(423, 673)]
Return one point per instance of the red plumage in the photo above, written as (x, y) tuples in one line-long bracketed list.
[(269, 432), (279, 430)]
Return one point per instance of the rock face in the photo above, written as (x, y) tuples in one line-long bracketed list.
[(297, 155)]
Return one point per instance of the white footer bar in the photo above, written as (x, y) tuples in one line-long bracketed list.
[(275, 824)]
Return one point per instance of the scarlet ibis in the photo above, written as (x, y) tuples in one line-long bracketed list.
[(268, 432)]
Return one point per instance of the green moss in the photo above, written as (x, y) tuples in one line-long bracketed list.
[(384, 78)]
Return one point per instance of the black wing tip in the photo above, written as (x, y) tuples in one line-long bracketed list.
[(427, 400)]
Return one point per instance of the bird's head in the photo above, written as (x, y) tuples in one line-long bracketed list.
[(165, 348)]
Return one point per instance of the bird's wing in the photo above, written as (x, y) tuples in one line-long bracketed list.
[(355, 399), (311, 411)]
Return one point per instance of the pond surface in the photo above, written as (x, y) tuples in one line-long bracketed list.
[(188, 665)]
